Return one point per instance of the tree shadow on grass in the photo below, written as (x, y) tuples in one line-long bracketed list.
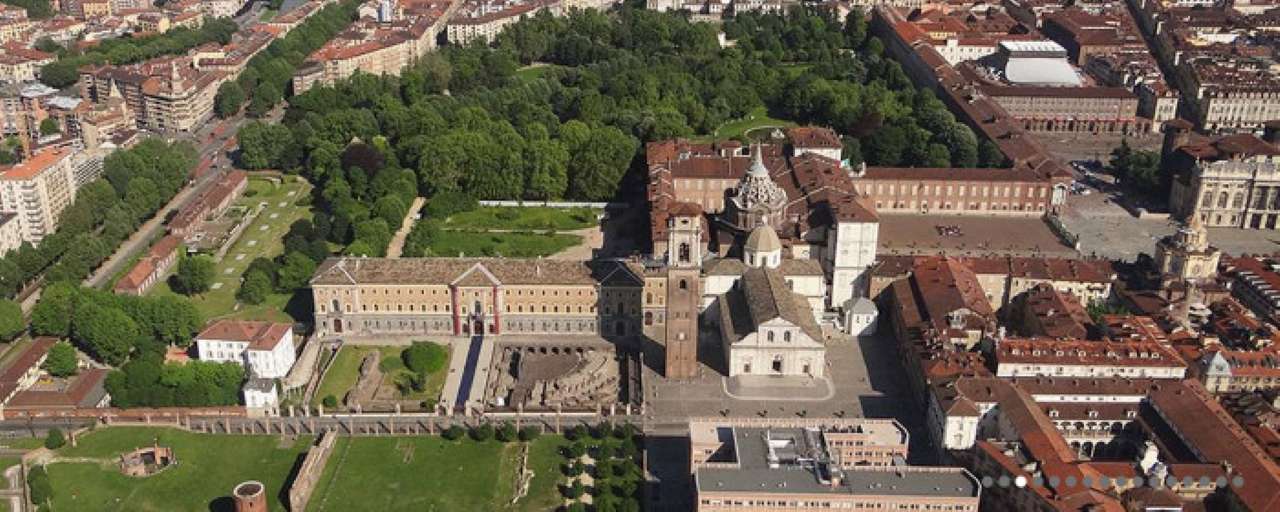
[(299, 306)]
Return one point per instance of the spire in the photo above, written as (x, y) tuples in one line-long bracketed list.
[(757, 163)]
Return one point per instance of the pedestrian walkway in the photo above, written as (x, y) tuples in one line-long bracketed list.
[(397, 241), (469, 372)]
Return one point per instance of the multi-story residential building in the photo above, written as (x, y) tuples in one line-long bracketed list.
[(265, 349), (14, 24), (1187, 414), (1086, 359), (1225, 370), (485, 19), (378, 46), (167, 94), (1255, 281), (38, 190), (1228, 181), (221, 8), (1049, 313), (792, 464), (10, 232), (20, 64), (1003, 280)]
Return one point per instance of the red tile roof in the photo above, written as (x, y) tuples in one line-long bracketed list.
[(259, 335)]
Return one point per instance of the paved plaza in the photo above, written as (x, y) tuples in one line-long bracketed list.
[(1108, 230), (969, 236)]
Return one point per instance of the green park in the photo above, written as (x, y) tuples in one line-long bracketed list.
[(278, 204)]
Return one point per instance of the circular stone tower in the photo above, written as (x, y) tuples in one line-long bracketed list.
[(250, 496)]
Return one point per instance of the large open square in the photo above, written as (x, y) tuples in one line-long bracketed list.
[(958, 235), (1108, 230), (87, 477), (278, 206)]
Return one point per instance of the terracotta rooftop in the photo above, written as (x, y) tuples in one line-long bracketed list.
[(259, 335)]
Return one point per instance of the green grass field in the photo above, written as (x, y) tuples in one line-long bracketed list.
[(344, 373), (208, 468), (511, 245), (757, 118), (532, 72), (255, 242), (22, 443), (523, 218), (434, 474)]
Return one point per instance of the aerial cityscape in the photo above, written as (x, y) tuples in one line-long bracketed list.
[(624, 256)]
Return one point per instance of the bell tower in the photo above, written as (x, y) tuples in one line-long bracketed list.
[(684, 290)]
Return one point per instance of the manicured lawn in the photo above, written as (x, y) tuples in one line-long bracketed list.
[(523, 218), (530, 73), (433, 474), (344, 373), (208, 468), (8, 462), (755, 119), (22, 443), (511, 245), (255, 242)]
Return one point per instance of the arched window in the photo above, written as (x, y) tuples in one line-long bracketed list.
[(684, 253), (335, 306), (1238, 202), (786, 336), (684, 285), (770, 336), (1222, 200)]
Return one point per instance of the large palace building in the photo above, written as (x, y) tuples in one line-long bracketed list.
[(768, 242)]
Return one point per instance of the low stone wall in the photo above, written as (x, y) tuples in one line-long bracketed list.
[(554, 204), (309, 474)]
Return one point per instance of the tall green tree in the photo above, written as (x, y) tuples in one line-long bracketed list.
[(195, 275), (11, 323), (61, 361), (230, 98)]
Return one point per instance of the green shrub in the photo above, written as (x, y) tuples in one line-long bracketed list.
[(38, 483), (530, 433), (425, 357), (55, 439), (482, 433), (507, 432), (448, 203), (329, 401), (453, 433)]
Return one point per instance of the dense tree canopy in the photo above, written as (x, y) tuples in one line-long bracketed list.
[(138, 181), (469, 122), (11, 322), (1139, 171), (112, 327)]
